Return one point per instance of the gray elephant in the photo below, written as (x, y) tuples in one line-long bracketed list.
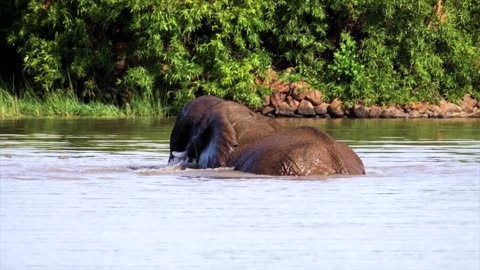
[(218, 133), (189, 116), (300, 151), (208, 129)]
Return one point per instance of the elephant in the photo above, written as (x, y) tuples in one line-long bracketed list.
[(185, 122), (214, 132), (301, 151), (208, 129)]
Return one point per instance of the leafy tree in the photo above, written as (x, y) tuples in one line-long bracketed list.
[(171, 51)]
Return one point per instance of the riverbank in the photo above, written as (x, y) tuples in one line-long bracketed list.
[(67, 105), (298, 99), (294, 100), (293, 107)]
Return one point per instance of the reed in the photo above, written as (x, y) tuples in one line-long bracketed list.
[(66, 104)]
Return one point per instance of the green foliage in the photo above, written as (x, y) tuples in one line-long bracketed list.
[(8, 104), (407, 51), (347, 71), (299, 35), (201, 47), (157, 55)]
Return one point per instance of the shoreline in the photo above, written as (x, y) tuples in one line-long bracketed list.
[(299, 100), (288, 100), (335, 110)]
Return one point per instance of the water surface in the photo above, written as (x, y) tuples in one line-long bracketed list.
[(95, 194)]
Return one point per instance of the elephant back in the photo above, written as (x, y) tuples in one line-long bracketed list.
[(301, 151)]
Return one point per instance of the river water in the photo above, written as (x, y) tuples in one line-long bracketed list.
[(95, 194)]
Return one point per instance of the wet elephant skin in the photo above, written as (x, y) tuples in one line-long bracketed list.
[(218, 133), (300, 151)]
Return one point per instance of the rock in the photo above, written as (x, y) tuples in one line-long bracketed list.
[(419, 106), (469, 103), (414, 114), (299, 90), (448, 115), (321, 109), (267, 100), (386, 113), (475, 113), (374, 111), (393, 112), (314, 96), (360, 111), (335, 108), (284, 109), (277, 98), (306, 108), (449, 107), (434, 108), (280, 86), (434, 111), (460, 115), (268, 110), (293, 103)]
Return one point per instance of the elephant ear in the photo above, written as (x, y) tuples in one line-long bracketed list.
[(213, 142)]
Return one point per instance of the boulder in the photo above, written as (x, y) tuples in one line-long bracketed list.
[(414, 114), (393, 112), (475, 113), (277, 98), (314, 96), (374, 111), (284, 109), (419, 107), (335, 109), (321, 109), (299, 90), (469, 103), (268, 110), (459, 115), (434, 111), (280, 86), (360, 111), (293, 103), (449, 107), (306, 108)]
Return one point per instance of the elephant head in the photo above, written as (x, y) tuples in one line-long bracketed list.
[(208, 129), (189, 116), (223, 129)]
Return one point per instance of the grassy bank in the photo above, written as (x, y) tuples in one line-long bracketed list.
[(66, 104)]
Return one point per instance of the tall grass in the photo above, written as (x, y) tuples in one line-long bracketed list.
[(66, 104)]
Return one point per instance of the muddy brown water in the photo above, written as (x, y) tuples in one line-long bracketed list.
[(96, 194)]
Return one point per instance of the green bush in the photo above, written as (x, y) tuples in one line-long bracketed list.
[(120, 52)]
